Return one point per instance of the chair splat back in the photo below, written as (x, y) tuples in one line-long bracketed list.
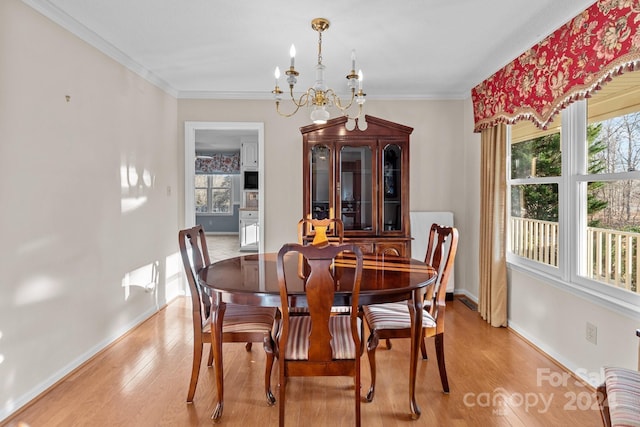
[(320, 292), (441, 253), (195, 256), (321, 230)]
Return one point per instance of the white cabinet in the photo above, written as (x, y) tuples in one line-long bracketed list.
[(249, 226), (250, 155), (249, 230)]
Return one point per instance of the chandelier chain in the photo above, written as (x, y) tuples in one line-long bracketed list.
[(319, 47)]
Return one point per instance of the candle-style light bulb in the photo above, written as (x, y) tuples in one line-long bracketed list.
[(277, 74), (360, 79), (353, 59), (292, 53)]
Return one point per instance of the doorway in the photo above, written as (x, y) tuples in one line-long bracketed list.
[(220, 135)]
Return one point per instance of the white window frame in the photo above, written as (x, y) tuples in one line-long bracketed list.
[(572, 219), (210, 188)]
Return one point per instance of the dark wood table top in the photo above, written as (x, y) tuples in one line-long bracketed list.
[(252, 279)]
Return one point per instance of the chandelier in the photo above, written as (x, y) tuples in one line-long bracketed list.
[(320, 97)]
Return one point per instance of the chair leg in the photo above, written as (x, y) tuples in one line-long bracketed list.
[(423, 349), (268, 349), (388, 344), (372, 344), (358, 398), (439, 341), (248, 346), (210, 361), (283, 384), (275, 333), (195, 370), (603, 405), (362, 322)]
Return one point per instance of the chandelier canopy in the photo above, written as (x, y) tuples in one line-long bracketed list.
[(319, 97)]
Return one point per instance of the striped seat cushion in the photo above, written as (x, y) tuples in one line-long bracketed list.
[(393, 315), (342, 344), (623, 395), (242, 318)]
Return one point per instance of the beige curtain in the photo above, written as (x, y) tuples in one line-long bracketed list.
[(493, 223)]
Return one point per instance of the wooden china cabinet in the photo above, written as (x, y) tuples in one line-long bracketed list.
[(361, 177)]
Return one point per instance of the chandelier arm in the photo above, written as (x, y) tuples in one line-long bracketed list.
[(359, 113), (355, 118), (299, 103), (285, 114), (336, 100)]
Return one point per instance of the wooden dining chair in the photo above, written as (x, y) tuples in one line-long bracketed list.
[(320, 344), (393, 320), (619, 397), (240, 323)]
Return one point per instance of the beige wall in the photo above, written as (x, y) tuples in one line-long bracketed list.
[(92, 194), (439, 169), (75, 227), (555, 320)]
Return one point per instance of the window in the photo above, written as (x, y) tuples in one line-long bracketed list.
[(214, 194), (574, 210), (536, 166), (613, 205)]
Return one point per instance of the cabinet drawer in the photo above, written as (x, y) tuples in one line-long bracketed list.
[(249, 214), (366, 248), (389, 248)]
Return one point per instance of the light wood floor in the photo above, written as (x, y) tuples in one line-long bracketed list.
[(223, 246), (496, 379)]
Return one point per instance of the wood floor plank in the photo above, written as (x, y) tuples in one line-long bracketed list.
[(142, 380)]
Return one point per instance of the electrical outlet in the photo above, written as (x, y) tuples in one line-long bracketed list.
[(592, 333)]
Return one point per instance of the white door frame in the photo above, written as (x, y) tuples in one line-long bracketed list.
[(190, 160)]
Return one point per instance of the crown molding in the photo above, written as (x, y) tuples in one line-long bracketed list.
[(268, 96), (52, 12)]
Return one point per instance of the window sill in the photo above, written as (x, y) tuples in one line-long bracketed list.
[(213, 214)]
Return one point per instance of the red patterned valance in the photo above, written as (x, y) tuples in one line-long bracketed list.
[(568, 65), (218, 163)]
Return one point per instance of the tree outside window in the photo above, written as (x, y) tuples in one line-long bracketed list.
[(221, 194), (213, 194), (619, 139)]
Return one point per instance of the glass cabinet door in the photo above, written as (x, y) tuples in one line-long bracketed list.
[(320, 182), (391, 188), (356, 187)]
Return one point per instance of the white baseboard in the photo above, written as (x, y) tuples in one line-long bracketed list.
[(57, 376)]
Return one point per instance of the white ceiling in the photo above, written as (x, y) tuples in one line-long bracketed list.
[(411, 49), (222, 140)]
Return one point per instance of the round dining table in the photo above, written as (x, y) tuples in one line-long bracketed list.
[(252, 280)]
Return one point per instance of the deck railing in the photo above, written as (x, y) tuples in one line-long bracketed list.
[(535, 239), (612, 254)]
